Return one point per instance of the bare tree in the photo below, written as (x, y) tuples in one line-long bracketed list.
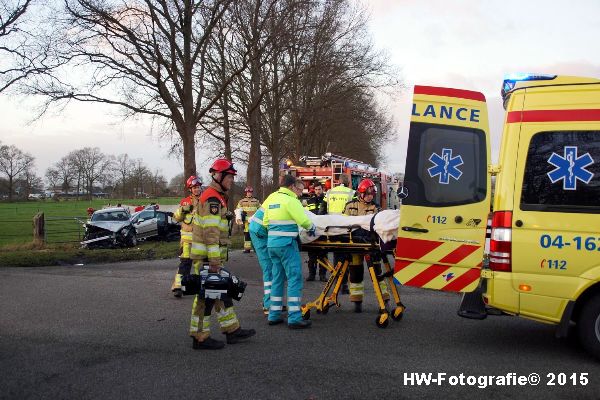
[(52, 177), (141, 178), (177, 185), (13, 164), (29, 182), (123, 167), (11, 51), (146, 57), (91, 166), (67, 169)]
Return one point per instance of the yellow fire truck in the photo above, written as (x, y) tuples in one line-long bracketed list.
[(544, 256)]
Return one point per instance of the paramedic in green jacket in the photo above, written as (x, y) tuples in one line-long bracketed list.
[(283, 214)]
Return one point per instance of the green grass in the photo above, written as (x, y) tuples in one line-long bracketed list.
[(64, 230), (29, 255), (62, 225)]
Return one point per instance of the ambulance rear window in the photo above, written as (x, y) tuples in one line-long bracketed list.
[(445, 166), (562, 172)]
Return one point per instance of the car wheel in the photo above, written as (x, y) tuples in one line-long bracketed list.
[(588, 326), (132, 240)]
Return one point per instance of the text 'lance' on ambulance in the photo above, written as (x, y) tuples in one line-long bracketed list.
[(445, 112)]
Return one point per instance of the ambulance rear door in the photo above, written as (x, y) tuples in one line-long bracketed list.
[(443, 219)]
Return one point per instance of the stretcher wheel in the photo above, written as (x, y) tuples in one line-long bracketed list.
[(306, 315), (382, 320), (325, 309), (398, 313)]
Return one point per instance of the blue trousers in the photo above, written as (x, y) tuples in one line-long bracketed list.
[(286, 263), (260, 247)]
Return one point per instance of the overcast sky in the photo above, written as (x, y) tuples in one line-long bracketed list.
[(468, 44)]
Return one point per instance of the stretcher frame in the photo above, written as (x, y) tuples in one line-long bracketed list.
[(332, 243)]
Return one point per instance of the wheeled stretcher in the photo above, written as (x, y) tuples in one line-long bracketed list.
[(355, 241)]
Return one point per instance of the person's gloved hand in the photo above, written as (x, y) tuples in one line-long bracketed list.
[(312, 231), (229, 215), (186, 208)]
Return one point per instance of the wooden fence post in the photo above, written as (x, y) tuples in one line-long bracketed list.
[(39, 236)]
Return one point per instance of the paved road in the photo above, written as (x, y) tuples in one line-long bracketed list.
[(114, 331)]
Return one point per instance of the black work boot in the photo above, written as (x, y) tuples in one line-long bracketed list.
[(177, 292), (300, 325), (208, 344), (345, 289), (358, 307), (239, 334), (311, 277), (323, 278)]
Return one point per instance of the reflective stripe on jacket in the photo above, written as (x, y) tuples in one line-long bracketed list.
[(210, 227), (249, 205), (337, 198), (283, 214), (185, 217)]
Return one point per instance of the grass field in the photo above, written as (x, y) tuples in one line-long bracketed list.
[(30, 255), (62, 218)]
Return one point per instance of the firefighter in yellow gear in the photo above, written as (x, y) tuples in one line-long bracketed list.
[(184, 215), (245, 209), (210, 237), (336, 198), (363, 205), (334, 203)]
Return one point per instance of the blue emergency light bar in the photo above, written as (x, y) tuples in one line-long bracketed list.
[(511, 80)]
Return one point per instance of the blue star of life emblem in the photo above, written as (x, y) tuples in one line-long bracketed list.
[(445, 166), (570, 168)]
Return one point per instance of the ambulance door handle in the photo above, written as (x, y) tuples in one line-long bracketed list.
[(411, 229)]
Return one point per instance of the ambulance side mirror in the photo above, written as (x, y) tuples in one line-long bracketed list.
[(402, 192)]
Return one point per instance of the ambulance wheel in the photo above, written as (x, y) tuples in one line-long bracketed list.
[(306, 315), (588, 326), (398, 313), (382, 320)]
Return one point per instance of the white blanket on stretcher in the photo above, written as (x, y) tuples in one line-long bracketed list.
[(386, 224)]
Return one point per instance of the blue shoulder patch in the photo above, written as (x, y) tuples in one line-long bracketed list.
[(272, 206)]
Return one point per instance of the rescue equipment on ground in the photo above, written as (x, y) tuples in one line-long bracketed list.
[(213, 285)]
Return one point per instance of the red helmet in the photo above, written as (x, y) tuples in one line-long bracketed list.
[(366, 186), (193, 181), (223, 165), (90, 210)]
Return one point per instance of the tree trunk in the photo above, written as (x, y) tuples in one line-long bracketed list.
[(189, 152), (10, 188), (275, 166), (254, 175)]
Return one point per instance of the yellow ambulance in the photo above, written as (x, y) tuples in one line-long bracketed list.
[(544, 250)]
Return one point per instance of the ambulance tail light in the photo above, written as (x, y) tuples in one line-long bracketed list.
[(501, 241)]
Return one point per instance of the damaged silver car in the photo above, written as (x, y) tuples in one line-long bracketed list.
[(109, 227)]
